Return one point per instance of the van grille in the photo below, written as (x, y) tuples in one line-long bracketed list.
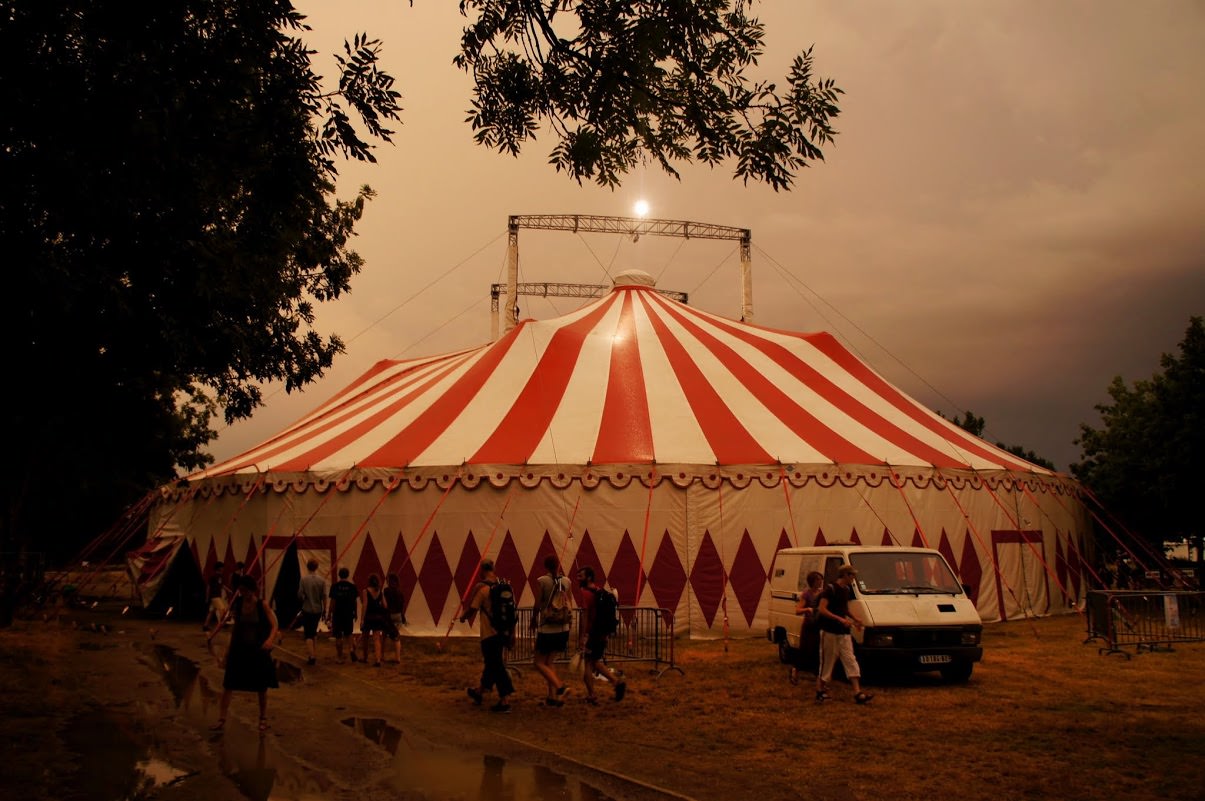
[(925, 638)]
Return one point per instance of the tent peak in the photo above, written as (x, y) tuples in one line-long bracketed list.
[(633, 278)]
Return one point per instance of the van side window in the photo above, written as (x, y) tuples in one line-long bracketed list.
[(831, 565)]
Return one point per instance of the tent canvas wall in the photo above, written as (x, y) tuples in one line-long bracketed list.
[(673, 450)]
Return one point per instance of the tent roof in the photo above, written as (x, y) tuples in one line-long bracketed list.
[(630, 378)]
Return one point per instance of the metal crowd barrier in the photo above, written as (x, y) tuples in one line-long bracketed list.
[(645, 634), (1141, 619)]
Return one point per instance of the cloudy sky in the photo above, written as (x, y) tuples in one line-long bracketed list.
[(1013, 213)]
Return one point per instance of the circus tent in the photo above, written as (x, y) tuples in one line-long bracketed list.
[(673, 450)]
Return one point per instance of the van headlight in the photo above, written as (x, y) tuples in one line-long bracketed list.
[(970, 638), (879, 639)]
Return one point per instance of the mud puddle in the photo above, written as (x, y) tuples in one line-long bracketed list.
[(441, 773)]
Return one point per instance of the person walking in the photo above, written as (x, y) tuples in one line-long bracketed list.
[(807, 656), (836, 623), (395, 601), (551, 618), (248, 663), (343, 608), (595, 631), (312, 593), (494, 643), (375, 622)]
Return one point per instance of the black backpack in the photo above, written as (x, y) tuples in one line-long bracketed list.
[(606, 613), (502, 607)]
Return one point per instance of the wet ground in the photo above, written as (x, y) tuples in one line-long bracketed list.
[(123, 765)]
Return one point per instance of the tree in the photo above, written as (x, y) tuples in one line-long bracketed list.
[(1141, 463), (167, 212), (167, 199), (618, 81), (975, 425)]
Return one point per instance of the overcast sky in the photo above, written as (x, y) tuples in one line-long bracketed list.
[(1013, 213)]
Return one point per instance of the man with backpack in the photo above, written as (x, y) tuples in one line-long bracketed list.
[(600, 618), (551, 619), (495, 600)]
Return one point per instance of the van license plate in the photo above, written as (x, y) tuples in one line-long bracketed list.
[(935, 659)]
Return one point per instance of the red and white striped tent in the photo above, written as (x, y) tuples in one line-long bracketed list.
[(671, 449)]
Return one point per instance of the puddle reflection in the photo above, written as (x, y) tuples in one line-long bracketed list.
[(262, 770), (442, 773), (115, 761)]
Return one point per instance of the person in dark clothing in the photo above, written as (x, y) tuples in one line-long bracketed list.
[(396, 603), (345, 599), (248, 662), (594, 643), (376, 618), (493, 645), (807, 657), (836, 622)]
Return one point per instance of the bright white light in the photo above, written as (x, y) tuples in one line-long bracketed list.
[(641, 208)]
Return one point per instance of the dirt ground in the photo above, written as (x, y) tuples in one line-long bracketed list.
[(102, 707)]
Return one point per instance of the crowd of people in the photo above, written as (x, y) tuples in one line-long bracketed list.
[(379, 611)]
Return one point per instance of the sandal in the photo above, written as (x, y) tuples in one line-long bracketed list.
[(263, 724), (863, 698)]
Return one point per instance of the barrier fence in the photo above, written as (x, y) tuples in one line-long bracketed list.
[(645, 634), (1144, 619)]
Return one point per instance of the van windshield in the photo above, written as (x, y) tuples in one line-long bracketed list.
[(913, 573)]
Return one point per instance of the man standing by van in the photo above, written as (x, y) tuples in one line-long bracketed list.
[(836, 622)]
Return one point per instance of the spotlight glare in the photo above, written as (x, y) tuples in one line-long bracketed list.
[(641, 208)]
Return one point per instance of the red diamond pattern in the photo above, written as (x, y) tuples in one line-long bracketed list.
[(1075, 565), (467, 574), (626, 573), (509, 566), (667, 576), (537, 566), (969, 568), (435, 578), (588, 557), (369, 564), (820, 540), (854, 537), (707, 579), (947, 550), (887, 538), (748, 577), (918, 541)]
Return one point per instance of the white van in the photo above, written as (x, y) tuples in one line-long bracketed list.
[(918, 617)]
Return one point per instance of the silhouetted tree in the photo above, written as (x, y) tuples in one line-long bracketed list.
[(1142, 462), (168, 221), (621, 81), (975, 425)]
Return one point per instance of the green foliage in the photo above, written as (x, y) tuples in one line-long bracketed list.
[(167, 215), (975, 425), (620, 81), (1142, 462)]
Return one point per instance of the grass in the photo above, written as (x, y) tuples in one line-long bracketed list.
[(1044, 716)]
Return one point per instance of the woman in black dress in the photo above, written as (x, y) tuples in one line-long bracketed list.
[(376, 617), (249, 665)]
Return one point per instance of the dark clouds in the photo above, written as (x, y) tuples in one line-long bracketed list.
[(1013, 209)]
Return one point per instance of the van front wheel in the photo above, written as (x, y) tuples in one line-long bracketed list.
[(958, 672)]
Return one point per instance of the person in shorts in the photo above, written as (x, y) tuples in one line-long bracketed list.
[(312, 593), (344, 600), (836, 640), (552, 635), (594, 643)]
